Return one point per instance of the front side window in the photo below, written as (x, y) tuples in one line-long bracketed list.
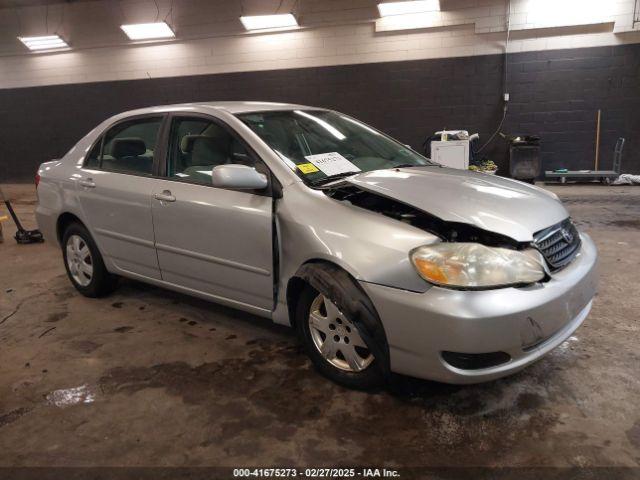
[(198, 145), (129, 147), (320, 145)]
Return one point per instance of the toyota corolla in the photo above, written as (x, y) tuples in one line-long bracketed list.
[(382, 260)]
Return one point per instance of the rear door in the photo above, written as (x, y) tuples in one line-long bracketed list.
[(115, 186), (208, 239)]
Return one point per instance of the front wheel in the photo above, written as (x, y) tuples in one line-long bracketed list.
[(330, 329), (84, 263)]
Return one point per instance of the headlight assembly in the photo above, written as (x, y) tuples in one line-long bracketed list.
[(476, 266)]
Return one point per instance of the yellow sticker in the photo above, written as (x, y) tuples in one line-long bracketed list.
[(307, 168)]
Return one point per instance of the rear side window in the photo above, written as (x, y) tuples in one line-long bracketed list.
[(127, 147)]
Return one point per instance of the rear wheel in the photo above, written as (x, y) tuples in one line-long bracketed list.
[(84, 263), (333, 322)]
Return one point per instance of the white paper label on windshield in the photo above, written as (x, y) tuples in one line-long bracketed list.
[(332, 163)]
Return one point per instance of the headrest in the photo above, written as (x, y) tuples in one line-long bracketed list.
[(186, 144), (208, 151), (127, 147)]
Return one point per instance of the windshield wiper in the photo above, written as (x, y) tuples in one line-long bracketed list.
[(409, 165), (406, 165), (330, 178)]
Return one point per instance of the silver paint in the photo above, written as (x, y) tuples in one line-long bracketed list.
[(216, 244)]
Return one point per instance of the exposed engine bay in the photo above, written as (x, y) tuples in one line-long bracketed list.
[(447, 231)]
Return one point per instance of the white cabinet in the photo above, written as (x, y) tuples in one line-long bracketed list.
[(452, 153)]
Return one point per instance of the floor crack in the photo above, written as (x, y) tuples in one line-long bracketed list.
[(46, 331), (18, 307), (4, 319)]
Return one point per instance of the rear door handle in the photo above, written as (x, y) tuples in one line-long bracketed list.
[(165, 196), (88, 183)]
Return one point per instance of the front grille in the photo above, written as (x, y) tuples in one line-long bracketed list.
[(559, 244)]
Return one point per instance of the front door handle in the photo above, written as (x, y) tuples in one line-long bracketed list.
[(165, 196), (88, 183)]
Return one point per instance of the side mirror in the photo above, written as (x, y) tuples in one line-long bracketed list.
[(238, 177)]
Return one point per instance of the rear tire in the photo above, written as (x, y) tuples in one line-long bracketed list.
[(84, 263), (329, 322)]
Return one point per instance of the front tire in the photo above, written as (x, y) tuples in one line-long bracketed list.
[(84, 263), (329, 321)]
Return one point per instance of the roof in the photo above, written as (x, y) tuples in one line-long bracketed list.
[(241, 107), (230, 107)]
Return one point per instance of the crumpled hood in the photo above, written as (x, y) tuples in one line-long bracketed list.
[(496, 204)]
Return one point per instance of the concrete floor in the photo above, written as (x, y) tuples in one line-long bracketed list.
[(149, 377)]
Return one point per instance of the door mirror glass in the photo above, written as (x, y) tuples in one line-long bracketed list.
[(238, 177)]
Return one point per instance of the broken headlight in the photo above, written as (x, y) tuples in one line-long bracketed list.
[(472, 265)]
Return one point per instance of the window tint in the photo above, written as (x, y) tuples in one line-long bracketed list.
[(93, 159), (129, 147), (198, 145)]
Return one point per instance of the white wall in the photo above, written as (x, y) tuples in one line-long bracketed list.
[(334, 32)]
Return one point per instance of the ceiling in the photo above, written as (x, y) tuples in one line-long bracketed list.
[(96, 23), (34, 3)]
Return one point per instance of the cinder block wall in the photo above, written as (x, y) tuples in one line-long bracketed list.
[(334, 32), (555, 94), (564, 64)]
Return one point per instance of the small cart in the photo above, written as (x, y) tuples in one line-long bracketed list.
[(604, 176)]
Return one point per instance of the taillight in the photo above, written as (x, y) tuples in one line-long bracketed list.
[(37, 180)]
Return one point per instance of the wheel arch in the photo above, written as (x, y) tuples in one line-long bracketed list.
[(301, 279), (323, 274), (64, 220)]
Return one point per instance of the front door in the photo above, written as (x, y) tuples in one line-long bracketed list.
[(115, 188), (212, 240)]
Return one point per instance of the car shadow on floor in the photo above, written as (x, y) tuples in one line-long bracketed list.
[(461, 399)]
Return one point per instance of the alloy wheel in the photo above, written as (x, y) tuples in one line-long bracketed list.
[(79, 260), (336, 338)]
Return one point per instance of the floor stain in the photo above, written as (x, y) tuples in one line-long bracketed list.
[(629, 224), (633, 434), (56, 317), (124, 329), (67, 397), (13, 415), (84, 346), (246, 394)]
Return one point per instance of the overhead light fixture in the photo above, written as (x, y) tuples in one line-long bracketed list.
[(47, 42), (261, 22), (148, 31), (414, 6)]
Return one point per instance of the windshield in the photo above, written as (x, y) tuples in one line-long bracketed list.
[(322, 145)]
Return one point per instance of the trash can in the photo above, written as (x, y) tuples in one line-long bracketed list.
[(524, 157)]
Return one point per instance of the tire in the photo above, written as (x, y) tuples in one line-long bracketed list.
[(351, 325), (84, 263)]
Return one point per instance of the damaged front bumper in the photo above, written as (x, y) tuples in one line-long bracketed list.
[(486, 334)]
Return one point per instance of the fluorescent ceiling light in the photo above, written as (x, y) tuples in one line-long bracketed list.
[(47, 42), (260, 22), (148, 31), (402, 8)]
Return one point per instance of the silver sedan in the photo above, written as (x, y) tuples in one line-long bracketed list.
[(382, 260)]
